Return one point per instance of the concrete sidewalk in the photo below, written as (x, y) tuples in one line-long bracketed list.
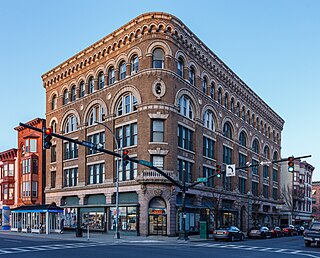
[(104, 237)]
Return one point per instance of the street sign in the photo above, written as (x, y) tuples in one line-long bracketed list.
[(88, 144), (231, 170), (202, 179), (146, 163)]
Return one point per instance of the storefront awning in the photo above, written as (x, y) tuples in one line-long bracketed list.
[(37, 208)]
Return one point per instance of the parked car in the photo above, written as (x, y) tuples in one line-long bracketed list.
[(230, 233), (290, 231), (276, 232), (259, 232), (312, 234)]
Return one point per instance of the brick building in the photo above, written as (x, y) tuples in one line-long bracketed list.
[(316, 200), (168, 99)]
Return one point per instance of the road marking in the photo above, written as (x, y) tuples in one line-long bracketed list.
[(10, 240), (281, 250)]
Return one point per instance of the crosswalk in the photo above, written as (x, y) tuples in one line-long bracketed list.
[(13, 250), (260, 249)]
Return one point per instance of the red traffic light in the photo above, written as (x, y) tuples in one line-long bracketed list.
[(125, 152), (48, 131)]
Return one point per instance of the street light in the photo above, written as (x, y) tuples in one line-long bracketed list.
[(248, 193), (117, 234)]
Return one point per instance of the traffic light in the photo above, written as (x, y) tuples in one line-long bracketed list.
[(291, 164), (218, 170), (125, 157), (47, 137)]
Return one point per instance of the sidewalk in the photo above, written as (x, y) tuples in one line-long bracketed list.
[(105, 237)]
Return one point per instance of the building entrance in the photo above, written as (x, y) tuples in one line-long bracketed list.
[(158, 225)]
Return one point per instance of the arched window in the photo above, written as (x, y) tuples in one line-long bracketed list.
[(82, 89), (127, 104), (180, 66), (158, 58), (275, 155), (185, 105), (212, 90), (208, 119), (134, 64), (71, 124), (252, 120), (243, 114), (248, 117), (238, 109), (227, 132), (54, 102), (192, 75), (255, 146), (101, 80), (73, 93), (243, 139), (226, 100), (266, 152), (91, 85), (261, 126), (54, 126), (232, 105), (204, 85), (95, 114), (257, 123), (65, 97), (111, 76), (122, 70), (220, 96)]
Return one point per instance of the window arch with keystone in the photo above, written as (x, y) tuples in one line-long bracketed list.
[(122, 70), (208, 119), (134, 64), (186, 107), (101, 80), (180, 66), (70, 124), (255, 146), (65, 97), (54, 102), (95, 114), (73, 93), (111, 76), (243, 139), (91, 85), (158, 58), (227, 130)]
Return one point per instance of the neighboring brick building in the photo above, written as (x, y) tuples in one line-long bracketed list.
[(296, 192), (316, 200), (31, 171), (168, 99)]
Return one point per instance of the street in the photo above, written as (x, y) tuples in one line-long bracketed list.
[(20, 246)]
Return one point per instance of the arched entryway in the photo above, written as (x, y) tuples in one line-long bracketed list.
[(157, 217)]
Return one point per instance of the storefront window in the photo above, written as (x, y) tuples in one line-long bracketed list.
[(70, 217), (95, 220), (127, 218)]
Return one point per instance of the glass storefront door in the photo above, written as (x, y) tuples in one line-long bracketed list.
[(158, 224)]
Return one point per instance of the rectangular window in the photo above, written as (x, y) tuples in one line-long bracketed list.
[(34, 189), (157, 161), (70, 177), (275, 175), (130, 171), (242, 160), (227, 182), (185, 138), (255, 188), (227, 155), (96, 174), (207, 172), (275, 193), (26, 189), (70, 150), (127, 135), (35, 166), (11, 170), (33, 145), (157, 130), (53, 179), (26, 163), (208, 147), (265, 171), (98, 138), (53, 153), (242, 185), (255, 170), (188, 166), (265, 191)]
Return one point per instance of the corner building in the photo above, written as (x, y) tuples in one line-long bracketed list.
[(170, 100)]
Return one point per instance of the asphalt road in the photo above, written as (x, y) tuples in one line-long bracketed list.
[(20, 247)]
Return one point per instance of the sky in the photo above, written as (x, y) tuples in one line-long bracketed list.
[(272, 45)]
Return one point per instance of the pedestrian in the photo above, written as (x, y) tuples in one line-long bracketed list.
[(61, 225)]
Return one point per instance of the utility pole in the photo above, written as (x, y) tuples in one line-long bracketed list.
[(183, 233)]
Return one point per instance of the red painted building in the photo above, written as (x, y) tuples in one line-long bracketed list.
[(316, 200), (31, 175)]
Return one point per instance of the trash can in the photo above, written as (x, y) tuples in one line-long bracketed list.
[(78, 232)]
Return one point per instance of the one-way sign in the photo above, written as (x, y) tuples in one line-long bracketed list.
[(231, 170)]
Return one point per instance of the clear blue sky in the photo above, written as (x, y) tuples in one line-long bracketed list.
[(272, 45)]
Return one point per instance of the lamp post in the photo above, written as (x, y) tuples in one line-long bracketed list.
[(117, 234), (248, 193)]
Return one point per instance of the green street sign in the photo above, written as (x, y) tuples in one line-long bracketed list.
[(202, 179), (145, 163)]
